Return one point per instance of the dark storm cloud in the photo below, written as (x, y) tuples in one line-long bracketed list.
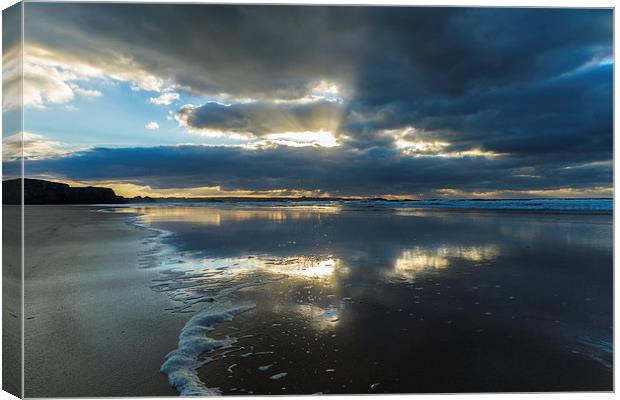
[(384, 52), (560, 116), (244, 51), (259, 119), (532, 84), (456, 51), (11, 33), (331, 170)]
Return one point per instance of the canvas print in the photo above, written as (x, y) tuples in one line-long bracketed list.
[(204, 200)]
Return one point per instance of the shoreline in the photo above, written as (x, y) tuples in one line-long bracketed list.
[(183, 362), (322, 311), (89, 305), (352, 207), (184, 300)]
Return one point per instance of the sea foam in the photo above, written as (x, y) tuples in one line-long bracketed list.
[(181, 365), (188, 284)]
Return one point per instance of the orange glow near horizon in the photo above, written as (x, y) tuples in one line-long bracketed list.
[(129, 190)]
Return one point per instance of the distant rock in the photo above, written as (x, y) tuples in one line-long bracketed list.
[(140, 199), (38, 191)]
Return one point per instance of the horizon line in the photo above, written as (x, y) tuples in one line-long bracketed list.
[(318, 198)]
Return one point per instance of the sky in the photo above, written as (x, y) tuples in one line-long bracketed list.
[(399, 102)]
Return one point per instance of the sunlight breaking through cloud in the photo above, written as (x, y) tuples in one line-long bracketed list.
[(301, 139)]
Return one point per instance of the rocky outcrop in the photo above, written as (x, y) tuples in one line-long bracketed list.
[(37, 191)]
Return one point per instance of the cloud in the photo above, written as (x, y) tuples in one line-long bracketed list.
[(165, 99), (46, 79), (52, 77), (85, 92), (260, 119), (11, 79), (332, 170), (398, 50), (152, 125), (555, 117), (11, 57), (417, 99), (374, 53), (45, 86), (30, 146), (300, 139)]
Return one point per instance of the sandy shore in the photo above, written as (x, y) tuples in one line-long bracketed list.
[(415, 301), (93, 326), (11, 300)]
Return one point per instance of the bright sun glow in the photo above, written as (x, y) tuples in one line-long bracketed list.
[(412, 142), (304, 267), (303, 139)]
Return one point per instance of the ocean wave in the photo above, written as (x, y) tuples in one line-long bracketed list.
[(599, 205)]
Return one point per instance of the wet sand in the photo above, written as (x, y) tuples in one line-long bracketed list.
[(12, 363), (334, 301), (93, 327), (399, 301)]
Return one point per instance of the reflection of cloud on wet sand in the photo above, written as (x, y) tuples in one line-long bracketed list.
[(307, 288), (217, 216), (321, 317), (417, 260), (302, 266), (314, 269)]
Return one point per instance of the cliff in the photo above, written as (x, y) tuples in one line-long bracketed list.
[(37, 191)]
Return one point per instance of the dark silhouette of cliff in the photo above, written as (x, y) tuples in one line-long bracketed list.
[(37, 191)]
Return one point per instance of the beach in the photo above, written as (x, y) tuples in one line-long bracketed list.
[(276, 299), (12, 299), (299, 199), (92, 325)]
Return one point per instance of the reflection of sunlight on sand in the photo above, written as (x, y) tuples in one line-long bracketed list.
[(303, 267), (417, 260), (190, 280), (479, 253), (414, 261), (216, 216), (180, 214), (317, 272), (322, 318), (318, 268)]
